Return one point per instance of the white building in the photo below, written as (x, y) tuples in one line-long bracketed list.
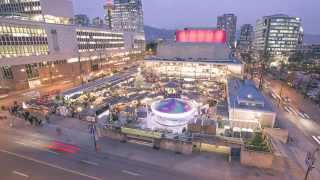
[(194, 61), (248, 108), (35, 52)]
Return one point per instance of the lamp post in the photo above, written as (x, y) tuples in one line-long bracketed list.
[(93, 130), (80, 68), (310, 160)]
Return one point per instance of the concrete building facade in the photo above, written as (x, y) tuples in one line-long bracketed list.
[(278, 36), (194, 61), (33, 53), (228, 22), (246, 38), (57, 11), (127, 16)]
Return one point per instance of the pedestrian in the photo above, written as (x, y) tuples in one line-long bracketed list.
[(47, 117), (40, 122)]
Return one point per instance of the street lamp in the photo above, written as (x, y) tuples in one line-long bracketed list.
[(310, 160)]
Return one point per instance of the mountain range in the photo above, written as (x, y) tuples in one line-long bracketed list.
[(153, 33)]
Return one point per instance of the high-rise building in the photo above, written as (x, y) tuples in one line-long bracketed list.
[(126, 15), (81, 19), (108, 13), (246, 38), (57, 11), (97, 21), (278, 36), (228, 22)]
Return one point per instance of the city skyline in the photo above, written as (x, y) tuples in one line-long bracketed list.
[(206, 13), (211, 89)]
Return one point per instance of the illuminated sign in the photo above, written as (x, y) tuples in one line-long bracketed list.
[(201, 36)]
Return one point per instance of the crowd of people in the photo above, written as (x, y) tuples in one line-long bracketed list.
[(17, 111)]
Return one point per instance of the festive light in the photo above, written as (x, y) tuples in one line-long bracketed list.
[(201, 36)]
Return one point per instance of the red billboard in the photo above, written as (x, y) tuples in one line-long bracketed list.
[(201, 36)]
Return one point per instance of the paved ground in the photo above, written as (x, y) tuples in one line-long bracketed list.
[(133, 159), (297, 100), (17, 95), (16, 168), (26, 155), (300, 130)]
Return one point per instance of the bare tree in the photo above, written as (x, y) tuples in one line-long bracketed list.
[(264, 60)]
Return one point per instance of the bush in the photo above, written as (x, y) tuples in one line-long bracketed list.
[(258, 143)]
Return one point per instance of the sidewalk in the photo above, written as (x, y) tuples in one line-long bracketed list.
[(204, 165)]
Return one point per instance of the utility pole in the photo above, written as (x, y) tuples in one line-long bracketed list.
[(93, 130), (310, 160)]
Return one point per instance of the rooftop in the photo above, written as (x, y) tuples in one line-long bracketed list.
[(243, 94)]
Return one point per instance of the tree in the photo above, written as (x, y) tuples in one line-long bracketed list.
[(264, 60), (258, 143), (151, 47), (212, 102), (250, 64)]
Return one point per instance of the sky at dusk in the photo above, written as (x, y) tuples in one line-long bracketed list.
[(172, 14)]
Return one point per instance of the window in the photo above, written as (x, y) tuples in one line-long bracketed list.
[(6, 73)]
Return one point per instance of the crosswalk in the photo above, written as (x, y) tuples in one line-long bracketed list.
[(316, 138)]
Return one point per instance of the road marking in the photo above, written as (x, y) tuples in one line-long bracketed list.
[(30, 145), (50, 151), (50, 165), (131, 173), (20, 174), (316, 139), (90, 163), (140, 142)]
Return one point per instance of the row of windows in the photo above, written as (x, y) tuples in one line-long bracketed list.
[(23, 7), (99, 34), (99, 46), (99, 41), (17, 1), (280, 49), (282, 45), (6, 72), (281, 35), (9, 40), (21, 30), (22, 40), (29, 50), (286, 20), (31, 69), (46, 64)]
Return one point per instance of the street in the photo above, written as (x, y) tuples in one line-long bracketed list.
[(22, 158), (301, 130)]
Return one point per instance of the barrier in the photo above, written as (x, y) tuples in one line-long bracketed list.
[(214, 148), (141, 133)]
